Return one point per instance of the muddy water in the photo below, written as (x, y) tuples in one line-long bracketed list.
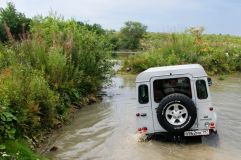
[(106, 131)]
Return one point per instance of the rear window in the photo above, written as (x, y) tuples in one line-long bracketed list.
[(143, 94), (164, 87), (201, 89)]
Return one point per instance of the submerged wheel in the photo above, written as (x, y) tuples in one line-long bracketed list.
[(176, 113)]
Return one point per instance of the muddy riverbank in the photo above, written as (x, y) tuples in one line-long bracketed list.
[(106, 130)]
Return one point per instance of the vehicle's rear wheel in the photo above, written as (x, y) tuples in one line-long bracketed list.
[(176, 113)]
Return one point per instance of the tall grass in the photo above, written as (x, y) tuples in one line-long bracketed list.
[(58, 64), (218, 54)]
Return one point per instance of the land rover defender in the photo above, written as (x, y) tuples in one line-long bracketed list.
[(175, 100)]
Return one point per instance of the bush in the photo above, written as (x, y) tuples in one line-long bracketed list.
[(12, 23), (7, 125), (57, 64), (186, 48), (26, 94)]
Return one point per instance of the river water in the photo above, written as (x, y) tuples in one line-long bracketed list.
[(106, 131)]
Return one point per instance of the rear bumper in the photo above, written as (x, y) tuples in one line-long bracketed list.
[(211, 131)]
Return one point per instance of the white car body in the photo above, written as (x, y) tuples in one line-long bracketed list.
[(146, 115)]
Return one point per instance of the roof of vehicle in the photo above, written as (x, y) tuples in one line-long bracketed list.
[(195, 70)]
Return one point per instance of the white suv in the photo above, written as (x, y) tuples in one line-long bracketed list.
[(175, 100)]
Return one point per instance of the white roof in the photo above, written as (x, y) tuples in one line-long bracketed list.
[(195, 70)]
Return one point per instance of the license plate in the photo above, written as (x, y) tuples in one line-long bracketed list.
[(196, 133)]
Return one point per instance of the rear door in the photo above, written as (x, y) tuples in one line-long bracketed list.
[(203, 102), (157, 85)]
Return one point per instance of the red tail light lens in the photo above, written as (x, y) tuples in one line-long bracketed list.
[(144, 128), (138, 114), (212, 125), (211, 108)]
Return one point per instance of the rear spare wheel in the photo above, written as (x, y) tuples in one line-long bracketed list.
[(176, 113)]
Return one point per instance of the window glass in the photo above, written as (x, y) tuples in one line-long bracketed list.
[(201, 89), (164, 87), (143, 94)]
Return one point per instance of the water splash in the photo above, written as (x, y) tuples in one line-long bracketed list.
[(141, 137)]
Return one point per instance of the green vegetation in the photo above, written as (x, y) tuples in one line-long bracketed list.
[(12, 21), (94, 28), (131, 34), (19, 150), (57, 64), (217, 53), (129, 37)]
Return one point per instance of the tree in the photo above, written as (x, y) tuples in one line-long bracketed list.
[(12, 23), (95, 28), (114, 39), (131, 35)]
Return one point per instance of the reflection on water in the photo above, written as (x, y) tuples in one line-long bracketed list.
[(107, 130)]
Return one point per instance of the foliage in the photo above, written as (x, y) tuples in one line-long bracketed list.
[(217, 53), (57, 64), (114, 38), (131, 34), (94, 28), (12, 23), (25, 93), (17, 149), (7, 121)]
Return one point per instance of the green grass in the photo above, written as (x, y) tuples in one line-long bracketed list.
[(19, 150)]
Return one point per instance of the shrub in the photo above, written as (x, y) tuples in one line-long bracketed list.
[(58, 64), (7, 125), (26, 94), (12, 23), (185, 48)]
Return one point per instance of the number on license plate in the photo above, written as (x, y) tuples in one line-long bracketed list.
[(196, 133)]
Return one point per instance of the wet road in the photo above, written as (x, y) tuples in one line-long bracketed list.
[(106, 131)]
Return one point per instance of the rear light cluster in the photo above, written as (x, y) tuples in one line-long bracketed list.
[(211, 108), (212, 125), (144, 129)]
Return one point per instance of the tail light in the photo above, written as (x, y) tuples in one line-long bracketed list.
[(212, 125), (138, 114), (144, 129)]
